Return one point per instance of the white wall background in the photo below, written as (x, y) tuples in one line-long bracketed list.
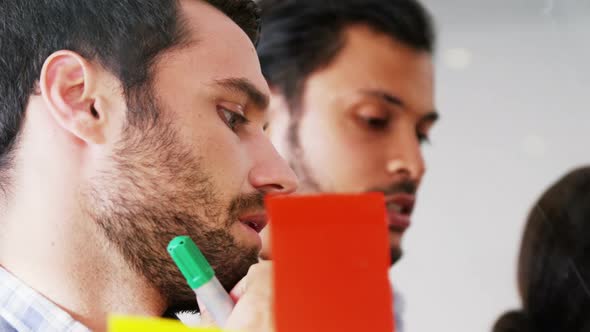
[(513, 88)]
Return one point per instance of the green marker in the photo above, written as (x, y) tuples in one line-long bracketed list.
[(201, 278)]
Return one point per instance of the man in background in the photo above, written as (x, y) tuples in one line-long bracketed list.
[(122, 125), (352, 85)]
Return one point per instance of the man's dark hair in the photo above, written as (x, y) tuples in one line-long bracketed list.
[(124, 36), (299, 37), (554, 262)]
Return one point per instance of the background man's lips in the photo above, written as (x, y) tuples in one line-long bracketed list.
[(398, 222), (399, 210), (402, 200)]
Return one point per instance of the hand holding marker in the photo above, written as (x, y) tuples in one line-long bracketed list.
[(201, 278)]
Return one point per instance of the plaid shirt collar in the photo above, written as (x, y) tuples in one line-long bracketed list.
[(24, 310)]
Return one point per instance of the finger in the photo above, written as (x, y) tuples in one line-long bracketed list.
[(258, 279), (206, 318), (266, 252), (238, 291)]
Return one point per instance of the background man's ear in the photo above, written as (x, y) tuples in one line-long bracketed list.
[(278, 113)]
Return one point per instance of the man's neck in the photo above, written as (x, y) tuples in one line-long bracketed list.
[(68, 260)]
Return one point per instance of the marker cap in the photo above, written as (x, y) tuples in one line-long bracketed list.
[(190, 261)]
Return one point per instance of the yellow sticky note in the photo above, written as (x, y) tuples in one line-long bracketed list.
[(146, 324)]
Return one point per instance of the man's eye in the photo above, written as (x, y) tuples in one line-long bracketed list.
[(375, 123), (423, 138), (232, 119)]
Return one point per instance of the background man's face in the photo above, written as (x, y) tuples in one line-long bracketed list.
[(200, 169), (361, 124)]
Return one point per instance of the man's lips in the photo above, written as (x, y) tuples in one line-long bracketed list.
[(255, 221), (399, 210)]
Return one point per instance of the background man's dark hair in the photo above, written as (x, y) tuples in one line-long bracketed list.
[(554, 262), (300, 37), (124, 36)]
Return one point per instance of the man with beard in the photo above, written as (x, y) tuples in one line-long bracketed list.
[(352, 97), (122, 125)]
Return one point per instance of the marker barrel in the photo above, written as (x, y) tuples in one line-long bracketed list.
[(216, 301)]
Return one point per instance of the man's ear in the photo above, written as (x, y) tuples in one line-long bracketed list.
[(68, 85), (279, 114), (280, 118)]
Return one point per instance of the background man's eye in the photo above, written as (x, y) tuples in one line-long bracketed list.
[(423, 138), (376, 123)]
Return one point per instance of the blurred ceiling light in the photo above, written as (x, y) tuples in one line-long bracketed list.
[(457, 58)]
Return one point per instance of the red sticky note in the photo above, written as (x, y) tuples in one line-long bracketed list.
[(331, 259)]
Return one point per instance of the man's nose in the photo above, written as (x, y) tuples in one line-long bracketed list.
[(271, 174), (406, 160)]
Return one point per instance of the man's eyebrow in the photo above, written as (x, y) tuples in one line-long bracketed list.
[(391, 99), (385, 96), (431, 117), (246, 87)]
